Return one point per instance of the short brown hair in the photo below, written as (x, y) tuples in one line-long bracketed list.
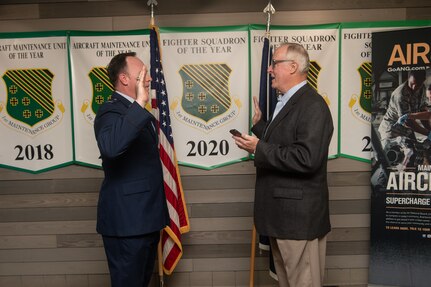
[(117, 65)]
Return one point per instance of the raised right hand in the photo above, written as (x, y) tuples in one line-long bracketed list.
[(142, 87), (257, 112)]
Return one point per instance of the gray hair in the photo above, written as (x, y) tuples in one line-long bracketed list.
[(297, 53)]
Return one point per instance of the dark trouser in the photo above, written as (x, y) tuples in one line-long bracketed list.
[(131, 259)]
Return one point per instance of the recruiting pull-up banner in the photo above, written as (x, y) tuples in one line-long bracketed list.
[(356, 85), (35, 114), (90, 54), (206, 73), (321, 42), (400, 244)]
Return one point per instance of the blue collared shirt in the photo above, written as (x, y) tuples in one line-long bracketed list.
[(286, 97)]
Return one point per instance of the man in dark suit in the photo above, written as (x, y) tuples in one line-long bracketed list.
[(132, 206), (291, 151)]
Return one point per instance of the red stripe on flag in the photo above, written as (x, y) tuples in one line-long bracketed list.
[(171, 235)]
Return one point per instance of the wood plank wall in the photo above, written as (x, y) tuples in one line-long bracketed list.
[(47, 221), (47, 227)]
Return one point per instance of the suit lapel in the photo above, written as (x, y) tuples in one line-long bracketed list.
[(285, 110)]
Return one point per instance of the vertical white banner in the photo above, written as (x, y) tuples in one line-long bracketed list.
[(356, 86), (321, 42), (355, 93), (206, 73), (35, 113), (90, 53)]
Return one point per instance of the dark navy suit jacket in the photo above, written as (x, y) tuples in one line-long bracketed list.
[(132, 199)]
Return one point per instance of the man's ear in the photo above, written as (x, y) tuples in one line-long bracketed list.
[(293, 67), (123, 79)]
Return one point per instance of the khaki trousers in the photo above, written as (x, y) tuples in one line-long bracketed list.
[(299, 263)]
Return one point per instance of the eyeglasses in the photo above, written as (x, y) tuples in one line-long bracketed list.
[(275, 62)]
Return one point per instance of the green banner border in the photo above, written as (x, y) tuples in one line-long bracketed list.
[(20, 35), (234, 28)]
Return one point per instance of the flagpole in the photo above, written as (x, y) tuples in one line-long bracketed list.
[(160, 261), (269, 10), (253, 255), (152, 4)]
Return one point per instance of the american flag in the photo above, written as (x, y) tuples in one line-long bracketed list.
[(267, 95), (179, 223)]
